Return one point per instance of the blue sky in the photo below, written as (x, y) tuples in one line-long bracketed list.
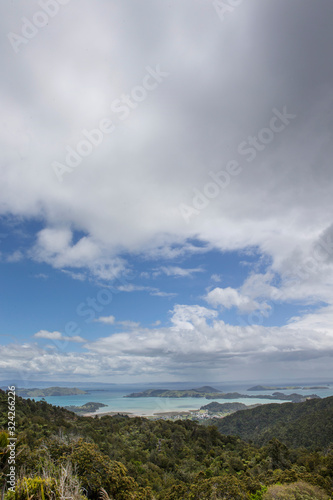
[(55, 296), (166, 191)]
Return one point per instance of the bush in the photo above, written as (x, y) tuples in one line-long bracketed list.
[(36, 488), (295, 491), (97, 471)]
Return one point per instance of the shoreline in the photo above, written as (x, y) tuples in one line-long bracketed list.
[(143, 415)]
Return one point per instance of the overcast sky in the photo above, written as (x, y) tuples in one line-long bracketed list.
[(166, 208)]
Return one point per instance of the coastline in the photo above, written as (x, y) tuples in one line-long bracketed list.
[(140, 414)]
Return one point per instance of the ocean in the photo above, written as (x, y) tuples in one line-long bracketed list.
[(113, 397)]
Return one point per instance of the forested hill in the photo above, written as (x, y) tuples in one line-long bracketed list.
[(308, 424), (49, 391), (62, 455)]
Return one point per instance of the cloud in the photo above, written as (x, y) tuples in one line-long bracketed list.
[(107, 320), (135, 288), (110, 195), (16, 256), (180, 271), (75, 276), (185, 317), (229, 297), (44, 334), (41, 276), (128, 324), (122, 201), (55, 246), (130, 287), (164, 294), (111, 320), (197, 344)]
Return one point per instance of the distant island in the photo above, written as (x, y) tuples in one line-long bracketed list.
[(50, 391), (87, 407), (208, 392), (201, 392), (286, 388)]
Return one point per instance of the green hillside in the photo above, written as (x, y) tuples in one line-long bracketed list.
[(50, 391), (211, 393), (308, 424), (62, 455), (201, 392)]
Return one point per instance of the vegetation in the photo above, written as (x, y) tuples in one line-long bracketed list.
[(201, 392), (286, 388), (308, 424), (62, 455), (225, 407), (86, 408), (295, 491), (50, 391), (211, 393), (272, 388)]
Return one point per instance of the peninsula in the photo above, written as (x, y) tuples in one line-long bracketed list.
[(49, 391), (286, 388), (208, 392), (202, 392), (91, 407)]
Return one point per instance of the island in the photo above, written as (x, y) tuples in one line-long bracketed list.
[(286, 388), (275, 388), (50, 391), (208, 392), (87, 407), (201, 392)]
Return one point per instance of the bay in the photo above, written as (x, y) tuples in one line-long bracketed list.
[(114, 398)]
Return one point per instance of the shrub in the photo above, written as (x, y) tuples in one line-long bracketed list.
[(36, 488), (295, 491)]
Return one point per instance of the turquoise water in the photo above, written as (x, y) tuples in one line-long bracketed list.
[(116, 402)]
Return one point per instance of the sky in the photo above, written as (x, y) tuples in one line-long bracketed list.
[(166, 208)]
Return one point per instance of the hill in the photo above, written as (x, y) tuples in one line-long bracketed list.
[(285, 388), (308, 424), (86, 408), (62, 455), (208, 392), (202, 392), (49, 391)]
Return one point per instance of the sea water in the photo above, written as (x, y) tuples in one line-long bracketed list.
[(114, 398)]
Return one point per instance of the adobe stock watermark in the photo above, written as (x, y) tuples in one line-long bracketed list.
[(223, 7), (40, 19), (123, 107), (221, 179)]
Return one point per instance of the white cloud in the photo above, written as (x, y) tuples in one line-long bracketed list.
[(128, 324), (124, 198), (41, 276), (55, 246), (229, 297), (135, 288), (117, 197), (164, 294), (186, 317), (180, 271), (15, 256), (75, 276), (130, 287), (44, 334), (197, 344), (107, 320)]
